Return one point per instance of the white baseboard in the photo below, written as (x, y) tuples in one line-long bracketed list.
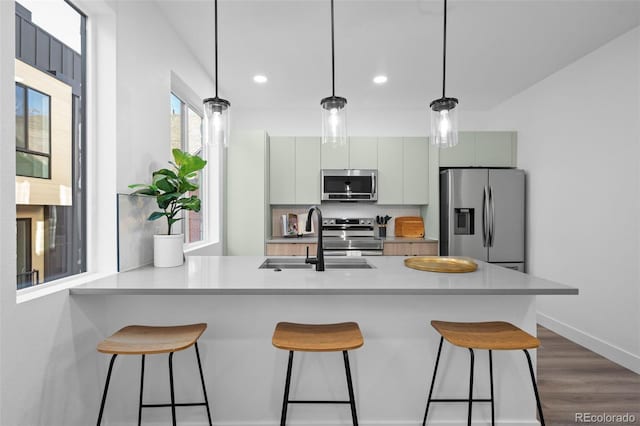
[(613, 353)]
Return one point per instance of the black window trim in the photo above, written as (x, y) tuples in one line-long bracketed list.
[(25, 110)]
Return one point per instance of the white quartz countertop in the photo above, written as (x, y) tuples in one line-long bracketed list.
[(237, 275)]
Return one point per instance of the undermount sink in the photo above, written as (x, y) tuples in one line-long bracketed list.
[(329, 263)]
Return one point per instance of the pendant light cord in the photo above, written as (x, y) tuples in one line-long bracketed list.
[(333, 55), (444, 49), (216, 42)]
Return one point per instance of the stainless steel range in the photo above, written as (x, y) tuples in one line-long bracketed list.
[(350, 236)]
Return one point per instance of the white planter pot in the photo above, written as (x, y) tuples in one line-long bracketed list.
[(168, 251)]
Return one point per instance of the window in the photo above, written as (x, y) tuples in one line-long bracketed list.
[(186, 134), (26, 275), (33, 133), (50, 89)]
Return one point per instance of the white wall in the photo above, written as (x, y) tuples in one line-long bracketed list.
[(148, 50), (579, 141), (50, 371)]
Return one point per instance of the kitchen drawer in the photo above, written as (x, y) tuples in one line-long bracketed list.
[(411, 249), (293, 249)]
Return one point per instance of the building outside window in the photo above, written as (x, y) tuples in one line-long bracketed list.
[(50, 141), (33, 132), (186, 134)]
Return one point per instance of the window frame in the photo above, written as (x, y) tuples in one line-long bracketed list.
[(25, 110), (80, 174), (185, 106)]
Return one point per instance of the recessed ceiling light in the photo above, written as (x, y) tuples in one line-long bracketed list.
[(260, 79), (380, 79)]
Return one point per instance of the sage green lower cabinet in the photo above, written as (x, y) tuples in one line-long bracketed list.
[(481, 149), (282, 160), (416, 171), (248, 215), (390, 170), (363, 153), (334, 156), (307, 170)]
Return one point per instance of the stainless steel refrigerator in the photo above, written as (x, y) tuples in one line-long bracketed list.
[(482, 215)]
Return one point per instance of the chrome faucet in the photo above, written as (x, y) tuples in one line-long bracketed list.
[(319, 259)]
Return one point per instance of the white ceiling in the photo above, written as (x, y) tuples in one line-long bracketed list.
[(495, 48)]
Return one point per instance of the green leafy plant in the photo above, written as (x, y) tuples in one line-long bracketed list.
[(170, 186)]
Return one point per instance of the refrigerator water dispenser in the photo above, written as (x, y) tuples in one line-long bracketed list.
[(463, 221)]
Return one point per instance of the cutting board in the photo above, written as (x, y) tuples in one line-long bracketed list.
[(409, 226)]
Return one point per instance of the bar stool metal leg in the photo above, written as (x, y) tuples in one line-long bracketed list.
[(470, 388), (493, 413), (106, 388), (535, 387), (433, 381), (285, 400), (141, 388), (204, 389), (352, 400), (173, 397)]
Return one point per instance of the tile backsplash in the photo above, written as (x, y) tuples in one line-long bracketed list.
[(345, 210)]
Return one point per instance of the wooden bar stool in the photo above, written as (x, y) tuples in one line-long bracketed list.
[(496, 335), (147, 340), (318, 338)]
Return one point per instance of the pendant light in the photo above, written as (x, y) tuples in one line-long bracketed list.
[(216, 110), (444, 115), (334, 108)]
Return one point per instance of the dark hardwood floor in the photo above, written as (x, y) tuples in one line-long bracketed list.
[(572, 380)]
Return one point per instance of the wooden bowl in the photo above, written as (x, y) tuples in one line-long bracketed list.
[(441, 264)]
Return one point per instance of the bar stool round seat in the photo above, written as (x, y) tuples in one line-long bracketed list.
[(490, 336), (341, 337), (494, 335), (317, 337), (152, 340), (148, 340)]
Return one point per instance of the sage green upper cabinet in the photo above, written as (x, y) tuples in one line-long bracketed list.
[(335, 156), (496, 149), (282, 158), (461, 155), (416, 171), (390, 170), (307, 170), (481, 149), (363, 153)]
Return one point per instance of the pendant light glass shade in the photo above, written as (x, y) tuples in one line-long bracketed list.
[(216, 110), (444, 122), (334, 120), (216, 122), (334, 108), (444, 114)]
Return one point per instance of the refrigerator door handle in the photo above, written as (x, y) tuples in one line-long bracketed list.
[(492, 222), (485, 211)]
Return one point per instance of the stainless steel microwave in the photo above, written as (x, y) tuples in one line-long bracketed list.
[(349, 184)]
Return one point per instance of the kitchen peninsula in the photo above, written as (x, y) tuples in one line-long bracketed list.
[(393, 305)]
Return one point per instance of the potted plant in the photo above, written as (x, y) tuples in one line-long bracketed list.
[(170, 187)]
